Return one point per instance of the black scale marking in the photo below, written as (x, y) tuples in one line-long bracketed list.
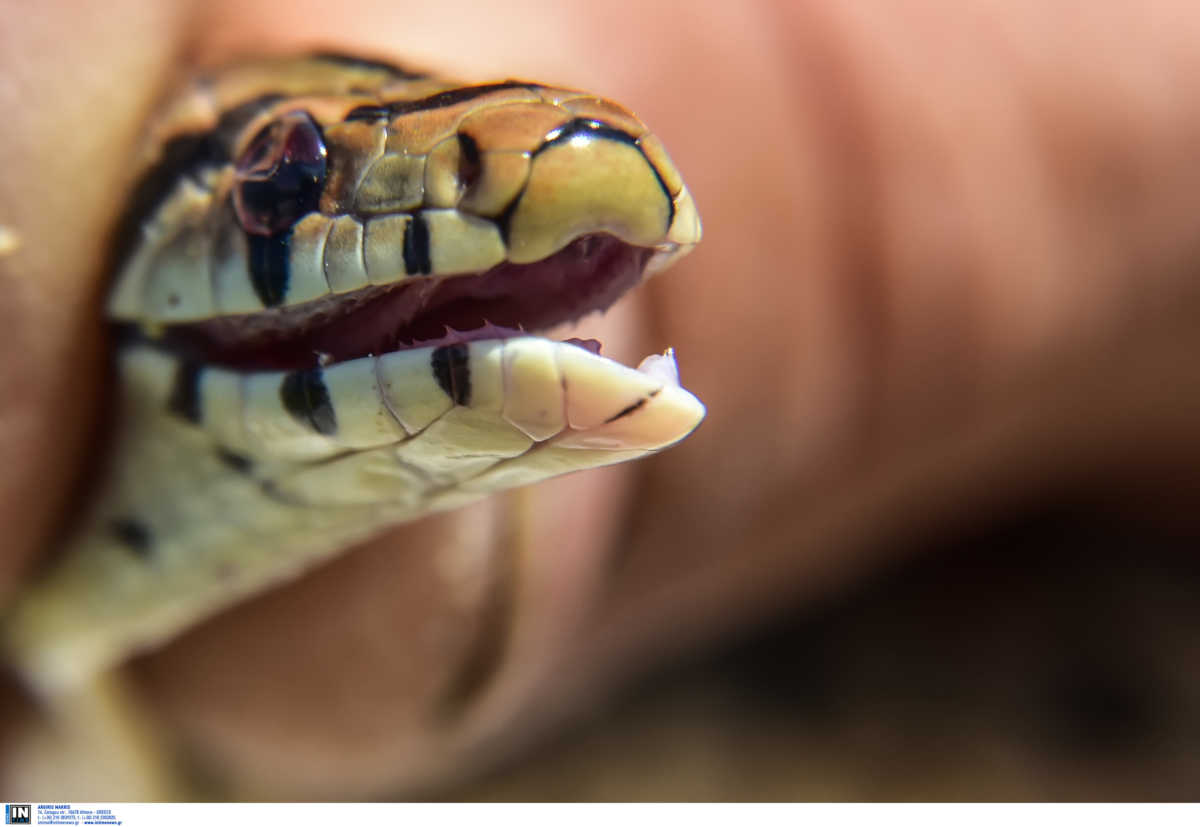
[(184, 400), (626, 411), (440, 100), (452, 369), (234, 461), (416, 247), (306, 398), (367, 114), (589, 127), (134, 535), (268, 262), (470, 165)]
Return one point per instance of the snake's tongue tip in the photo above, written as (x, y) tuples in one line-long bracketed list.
[(661, 366)]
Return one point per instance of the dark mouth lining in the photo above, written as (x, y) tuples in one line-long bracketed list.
[(587, 275)]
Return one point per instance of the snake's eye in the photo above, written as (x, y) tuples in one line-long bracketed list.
[(279, 176)]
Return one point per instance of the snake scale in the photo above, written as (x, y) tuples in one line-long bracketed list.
[(326, 286)]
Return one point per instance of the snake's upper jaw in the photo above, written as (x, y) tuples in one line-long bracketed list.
[(586, 275)]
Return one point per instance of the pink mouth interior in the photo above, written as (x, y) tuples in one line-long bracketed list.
[(587, 275)]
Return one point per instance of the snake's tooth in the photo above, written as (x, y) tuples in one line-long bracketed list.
[(344, 264), (598, 389), (587, 180), (363, 417), (461, 243), (394, 183), (307, 270), (383, 248), (410, 390), (533, 388), (285, 430)]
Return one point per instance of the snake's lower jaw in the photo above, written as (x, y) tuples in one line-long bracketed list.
[(274, 470), (446, 414)]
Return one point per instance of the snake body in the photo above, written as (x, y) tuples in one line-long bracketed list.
[(324, 288)]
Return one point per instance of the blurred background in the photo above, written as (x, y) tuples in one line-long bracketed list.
[(1048, 655), (938, 536)]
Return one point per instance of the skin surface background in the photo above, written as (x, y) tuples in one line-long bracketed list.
[(949, 264)]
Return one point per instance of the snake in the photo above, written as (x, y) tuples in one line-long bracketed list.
[(331, 287)]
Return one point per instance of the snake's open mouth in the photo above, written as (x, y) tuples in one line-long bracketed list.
[(323, 279), (586, 276)]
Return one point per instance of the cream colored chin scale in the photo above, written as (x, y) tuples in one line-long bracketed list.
[(222, 480)]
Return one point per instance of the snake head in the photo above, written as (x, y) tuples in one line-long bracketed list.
[(326, 286)]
